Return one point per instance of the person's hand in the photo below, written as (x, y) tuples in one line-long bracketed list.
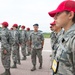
[(5, 51)]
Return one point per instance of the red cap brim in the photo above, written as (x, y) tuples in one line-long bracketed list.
[(54, 12), (53, 23)]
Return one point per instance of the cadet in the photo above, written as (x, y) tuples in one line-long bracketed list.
[(58, 32), (37, 42), (6, 41), (24, 40), (15, 46), (65, 56), (28, 44), (53, 34)]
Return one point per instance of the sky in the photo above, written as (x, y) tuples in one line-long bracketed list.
[(28, 12)]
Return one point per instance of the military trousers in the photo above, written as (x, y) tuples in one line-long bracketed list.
[(28, 47), (35, 53), (15, 52), (18, 53), (23, 49), (5, 58)]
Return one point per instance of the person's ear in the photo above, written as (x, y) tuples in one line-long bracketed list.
[(71, 14)]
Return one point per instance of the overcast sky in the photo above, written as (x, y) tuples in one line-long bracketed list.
[(28, 12)]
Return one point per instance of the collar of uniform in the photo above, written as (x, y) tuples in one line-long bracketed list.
[(68, 33), (35, 32), (4, 28)]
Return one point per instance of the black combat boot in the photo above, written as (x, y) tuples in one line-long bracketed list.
[(40, 67), (7, 72), (14, 66), (34, 68)]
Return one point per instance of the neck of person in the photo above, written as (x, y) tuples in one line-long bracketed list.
[(58, 30), (35, 30), (22, 29), (68, 26)]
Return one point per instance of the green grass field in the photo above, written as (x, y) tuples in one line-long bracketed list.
[(46, 35)]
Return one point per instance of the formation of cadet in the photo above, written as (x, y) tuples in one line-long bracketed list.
[(13, 39), (37, 42), (64, 45), (63, 42)]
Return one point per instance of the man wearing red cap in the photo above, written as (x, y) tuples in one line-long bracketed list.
[(56, 32), (23, 39), (15, 46), (27, 44), (55, 38), (64, 16), (6, 41), (53, 34)]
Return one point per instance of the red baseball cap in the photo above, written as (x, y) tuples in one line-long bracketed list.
[(53, 23), (28, 29), (68, 5), (15, 25), (5, 24), (23, 27)]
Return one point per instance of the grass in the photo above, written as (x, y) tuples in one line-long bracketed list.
[(46, 35)]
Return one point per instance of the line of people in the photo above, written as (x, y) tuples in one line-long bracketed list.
[(20, 39), (63, 38), (12, 40)]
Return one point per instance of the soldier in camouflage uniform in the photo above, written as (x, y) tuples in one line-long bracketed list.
[(57, 31), (65, 55), (55, 39), (15, 46), (6, 41), (23, 39), (28, 44), (53, 34), (37, 42)]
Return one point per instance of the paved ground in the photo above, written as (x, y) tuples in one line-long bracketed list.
[(24, 68)]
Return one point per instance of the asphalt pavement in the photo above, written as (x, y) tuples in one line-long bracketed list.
[(24, 68)]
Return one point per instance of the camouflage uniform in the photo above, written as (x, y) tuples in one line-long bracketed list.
[(53, 38), (15, 46), (27, 44), (6, 41), (66, 53), (36, 39), (23, 40), (55, 44)]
